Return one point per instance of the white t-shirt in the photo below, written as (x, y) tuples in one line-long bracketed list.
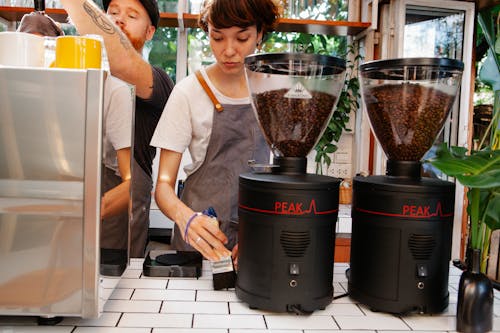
[(119, 101), (186, 122)]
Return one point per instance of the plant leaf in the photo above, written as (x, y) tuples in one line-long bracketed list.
[(481, 169), (492, 210)]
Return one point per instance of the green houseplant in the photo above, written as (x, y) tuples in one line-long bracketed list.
[(479, 170)]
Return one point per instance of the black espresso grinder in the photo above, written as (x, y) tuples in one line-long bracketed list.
[(402, 222), (286, 216)]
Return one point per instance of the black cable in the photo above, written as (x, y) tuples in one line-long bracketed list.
[(340, 296)]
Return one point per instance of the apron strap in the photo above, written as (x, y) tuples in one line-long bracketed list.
[(209, 92)]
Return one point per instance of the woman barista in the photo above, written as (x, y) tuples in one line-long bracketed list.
[(210, 114)]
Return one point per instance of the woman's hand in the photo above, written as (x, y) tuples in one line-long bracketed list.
[(235, 253), (205, 236)]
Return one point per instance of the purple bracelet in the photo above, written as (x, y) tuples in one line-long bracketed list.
[(188, 224)]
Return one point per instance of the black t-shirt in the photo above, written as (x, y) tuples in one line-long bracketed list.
[(147, 114)]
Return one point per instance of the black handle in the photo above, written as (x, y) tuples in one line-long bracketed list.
[(39, 5)]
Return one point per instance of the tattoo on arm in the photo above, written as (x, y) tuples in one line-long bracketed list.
[(107, 28)]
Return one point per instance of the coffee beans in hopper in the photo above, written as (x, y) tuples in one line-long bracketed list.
[(292, 125), (406, 117)]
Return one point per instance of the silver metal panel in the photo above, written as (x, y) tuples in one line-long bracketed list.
[(50, 148)]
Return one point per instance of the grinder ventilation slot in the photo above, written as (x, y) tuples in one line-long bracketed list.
[(295, 243), (421, 246)]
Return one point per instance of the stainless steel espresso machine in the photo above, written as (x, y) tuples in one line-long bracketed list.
[(401, 221), (286, 216)]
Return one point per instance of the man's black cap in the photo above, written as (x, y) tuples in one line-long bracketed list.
[(151, 7)]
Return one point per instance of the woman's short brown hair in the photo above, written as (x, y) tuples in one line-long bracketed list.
[(239, 13)]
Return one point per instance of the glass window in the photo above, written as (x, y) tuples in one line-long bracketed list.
[(335, 10), (161, 51), (431, 32), (436, 32), (200, 54)]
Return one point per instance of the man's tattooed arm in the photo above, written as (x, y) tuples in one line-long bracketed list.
[(101, 21)]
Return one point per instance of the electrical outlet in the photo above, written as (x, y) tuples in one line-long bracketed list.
[(340, 170)]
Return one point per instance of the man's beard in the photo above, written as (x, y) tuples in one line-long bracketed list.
[(137, 43)]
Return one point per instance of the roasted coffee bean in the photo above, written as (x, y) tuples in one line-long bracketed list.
[(293, 125), (406, 118)]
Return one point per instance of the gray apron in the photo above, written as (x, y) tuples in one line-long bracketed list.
[(141, 187), (114, 228), (235, 139)]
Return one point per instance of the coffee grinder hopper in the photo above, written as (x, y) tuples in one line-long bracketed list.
[(408, 101), (293, 96), (402, 222)]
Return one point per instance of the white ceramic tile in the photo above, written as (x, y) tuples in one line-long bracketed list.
[(191, 284), (339, 287), (430, 323), (35, 329), (105, 293), (411, 331), (453, 299), (156, 320), (343, 288), (132, 274), (453, 280), (135, 263), (341, 309), (121, 294), (451, 310), (132, 306), (373, 322), (195, 307), (143, 283), (339, 275), (109, 282), (164, 295), (216, 295), (112, 330), (300, 322), (337, 331), (496, 324), (107, 319), (189, 330), (228, 321), (265, 331)]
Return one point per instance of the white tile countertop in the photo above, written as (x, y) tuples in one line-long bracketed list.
[(141, 304)]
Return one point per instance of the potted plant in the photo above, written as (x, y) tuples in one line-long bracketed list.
[(479, 171)]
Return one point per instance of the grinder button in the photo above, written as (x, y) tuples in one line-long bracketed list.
[(422, 270), (294, 269)]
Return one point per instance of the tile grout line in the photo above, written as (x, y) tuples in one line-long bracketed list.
[(119, 319)]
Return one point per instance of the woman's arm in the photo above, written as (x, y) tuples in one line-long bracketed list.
[(116, 200), (211, 238), (124, 61)]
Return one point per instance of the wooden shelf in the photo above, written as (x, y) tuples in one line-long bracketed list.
[(340, 28), (13, 14)]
